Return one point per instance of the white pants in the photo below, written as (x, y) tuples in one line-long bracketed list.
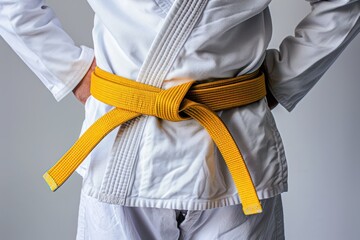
[(103, 221)]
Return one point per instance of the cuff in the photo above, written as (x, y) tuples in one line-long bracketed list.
[(85, 60)]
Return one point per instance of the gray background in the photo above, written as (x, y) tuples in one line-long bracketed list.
[(321, 138)]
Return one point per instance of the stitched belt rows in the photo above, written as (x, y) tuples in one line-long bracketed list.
[(199, 101)]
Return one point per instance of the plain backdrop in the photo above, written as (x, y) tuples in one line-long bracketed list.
[(321, 138)]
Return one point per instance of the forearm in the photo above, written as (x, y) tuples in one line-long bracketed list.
[(303, 59), (35, 33)]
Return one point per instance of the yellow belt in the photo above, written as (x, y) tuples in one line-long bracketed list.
[(182, 102)]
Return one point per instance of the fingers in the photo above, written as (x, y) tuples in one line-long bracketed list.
[(82, 90)]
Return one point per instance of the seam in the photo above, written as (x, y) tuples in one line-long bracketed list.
[(158, 61), (139, 127), (88, 53), (181, 39), (163, 54), (156, 55), (276, 137), (164, 6), (66, 84)]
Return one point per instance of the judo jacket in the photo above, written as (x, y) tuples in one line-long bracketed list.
[(151, 162)]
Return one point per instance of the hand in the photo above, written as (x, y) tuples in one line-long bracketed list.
[(82, 90), (272, 102)]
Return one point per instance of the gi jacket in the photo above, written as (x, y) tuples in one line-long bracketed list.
[(156, 163)]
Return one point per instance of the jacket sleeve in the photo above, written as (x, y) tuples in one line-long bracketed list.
[(35, 34), (319, 39)]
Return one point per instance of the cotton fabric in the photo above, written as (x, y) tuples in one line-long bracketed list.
[(99, 220), (230, 38)]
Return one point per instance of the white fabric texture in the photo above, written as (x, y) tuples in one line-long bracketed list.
[(99, 220), (230, 38), (33, 31)]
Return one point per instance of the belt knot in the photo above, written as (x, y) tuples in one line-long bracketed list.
[(132, 99), (168, 103)]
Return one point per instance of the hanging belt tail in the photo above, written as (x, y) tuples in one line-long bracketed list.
[(189, 100)]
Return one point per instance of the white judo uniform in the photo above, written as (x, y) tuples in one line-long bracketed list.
[(159, 165)]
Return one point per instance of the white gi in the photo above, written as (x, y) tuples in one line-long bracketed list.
[(160, 164)]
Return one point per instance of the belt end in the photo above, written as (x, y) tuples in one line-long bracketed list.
[(252, 209), (50, 181)]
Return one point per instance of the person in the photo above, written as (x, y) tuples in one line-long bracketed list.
[(157, 179)]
